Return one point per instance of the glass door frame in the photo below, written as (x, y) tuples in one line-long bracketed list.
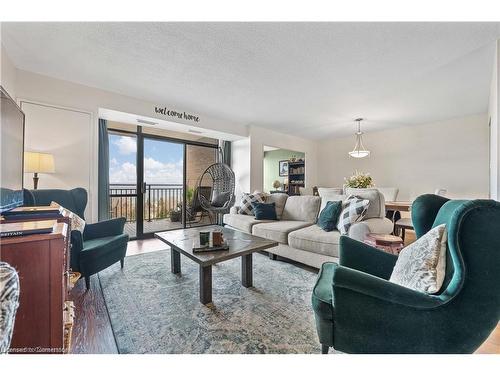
[(140, 191)]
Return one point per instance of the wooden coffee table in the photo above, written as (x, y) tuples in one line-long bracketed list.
[(241, 244)]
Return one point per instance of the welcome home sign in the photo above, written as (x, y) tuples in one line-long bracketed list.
[(180, 115)]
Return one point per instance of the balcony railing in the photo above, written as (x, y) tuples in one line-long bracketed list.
[(159, 200)]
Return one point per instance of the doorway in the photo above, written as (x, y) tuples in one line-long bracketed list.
[(154, 181)]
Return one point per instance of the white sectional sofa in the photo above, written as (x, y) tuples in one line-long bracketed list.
[(299, 237)]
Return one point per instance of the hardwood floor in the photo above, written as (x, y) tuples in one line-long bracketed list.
[(92, 331)]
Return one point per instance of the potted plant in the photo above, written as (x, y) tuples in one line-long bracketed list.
[(359, 180), (176, 214)]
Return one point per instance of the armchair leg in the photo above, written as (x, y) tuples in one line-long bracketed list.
[(122, 261), (273, 256), (324, 349), (87, 282)]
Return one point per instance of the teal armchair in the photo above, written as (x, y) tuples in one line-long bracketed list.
[(358, 310), (101, 244)]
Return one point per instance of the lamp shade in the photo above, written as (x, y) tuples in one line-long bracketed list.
[(38, 162)]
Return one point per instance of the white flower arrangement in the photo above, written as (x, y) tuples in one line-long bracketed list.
[(359, 180)]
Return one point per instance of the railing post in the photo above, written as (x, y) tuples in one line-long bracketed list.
[(149, 203)]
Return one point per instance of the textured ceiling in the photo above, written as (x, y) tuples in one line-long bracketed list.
[(308, 78)]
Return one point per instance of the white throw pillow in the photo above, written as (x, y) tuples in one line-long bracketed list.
[(353, 210), (76, 222), (328, 190), (421, 266)]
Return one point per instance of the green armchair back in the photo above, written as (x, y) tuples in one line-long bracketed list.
[(358, 310), (101, 244), (74, 200)]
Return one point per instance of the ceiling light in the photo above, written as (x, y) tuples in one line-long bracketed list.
[(146, 122), (359, 150), (195, 131)]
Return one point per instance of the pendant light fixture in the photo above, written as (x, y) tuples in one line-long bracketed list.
[(359, 150)]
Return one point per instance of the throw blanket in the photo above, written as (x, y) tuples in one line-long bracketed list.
[(9, 302)]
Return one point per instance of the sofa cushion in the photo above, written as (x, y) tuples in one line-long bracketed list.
[(279, 199), (376, 198), (330, 197), (98, 246), (242, 222), (220, 199), (302, 208), (306, 191), (278, 230), (315, 240), (328, 190)]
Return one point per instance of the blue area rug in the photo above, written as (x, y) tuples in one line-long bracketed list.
[(155, 311)]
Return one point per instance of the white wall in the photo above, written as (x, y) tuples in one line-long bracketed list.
[(260, 137), (450, 154), (46, 90), (240, 163), (7, 73), (493, 115), (68, 142)]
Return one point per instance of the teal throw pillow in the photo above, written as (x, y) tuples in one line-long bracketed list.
[(329, 216), (264, 211)]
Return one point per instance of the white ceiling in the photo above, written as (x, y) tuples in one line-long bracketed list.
[(310, 79)]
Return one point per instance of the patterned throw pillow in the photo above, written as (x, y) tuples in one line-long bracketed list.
[(247, 200), (354, 209), (421, 266), (9, 302), (76, 222)]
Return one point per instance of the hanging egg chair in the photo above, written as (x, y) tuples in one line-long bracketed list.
[(221, 178)]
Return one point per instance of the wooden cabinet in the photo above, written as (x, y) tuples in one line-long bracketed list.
[(43, 319)]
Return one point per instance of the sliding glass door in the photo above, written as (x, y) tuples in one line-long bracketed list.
[(123, 179), (154, 181), (163, 181)]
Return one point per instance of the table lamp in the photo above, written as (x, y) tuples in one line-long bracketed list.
[(38, 162)]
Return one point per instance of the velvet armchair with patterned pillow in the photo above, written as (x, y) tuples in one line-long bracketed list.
[(95, 248), (359, 310)]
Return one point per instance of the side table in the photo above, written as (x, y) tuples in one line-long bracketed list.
[(385, 242)]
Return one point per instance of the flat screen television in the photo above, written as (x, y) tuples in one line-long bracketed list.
[(11, 153)]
